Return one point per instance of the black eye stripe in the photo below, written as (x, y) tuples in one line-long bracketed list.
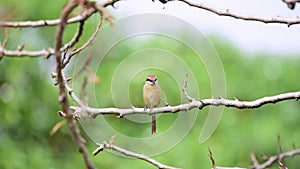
[(150, 80)]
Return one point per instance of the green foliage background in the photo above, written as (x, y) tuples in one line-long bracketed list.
[(28, 104)]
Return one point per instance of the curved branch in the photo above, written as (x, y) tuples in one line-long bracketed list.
[(243, 17), (94, 112), (110, 146), (75, 38)]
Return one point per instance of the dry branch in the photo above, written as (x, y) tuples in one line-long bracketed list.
[(269, 160), (110, 146), (273, 159), (61, 81), (93, 112), (75, 38), (84, 16), (23, 53), (229, 13)]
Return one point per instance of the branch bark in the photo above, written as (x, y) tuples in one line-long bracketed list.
[(94, 112), (273, 159), (229, 13), (110, 146), (84, 16), (62, 88)]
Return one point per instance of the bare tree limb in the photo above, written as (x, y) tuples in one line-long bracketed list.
[(227, 12), (110, 146), (93, 112), (273, 159), (61, 84), (270, 160), (84, 16), (23, 53)]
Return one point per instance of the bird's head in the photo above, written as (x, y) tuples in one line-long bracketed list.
[(151, 79)]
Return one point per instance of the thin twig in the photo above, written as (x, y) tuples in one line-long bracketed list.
[(281, 162), (128, 153), (76, 36), (184, 86), (227, 12), (212, 159), (3, 43), (85, 65), (87, 43), (5, 39), (254, 160)]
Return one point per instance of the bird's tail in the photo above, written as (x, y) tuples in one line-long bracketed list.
[(153, 124)]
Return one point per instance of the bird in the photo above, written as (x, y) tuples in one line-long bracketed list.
[(151, 95)]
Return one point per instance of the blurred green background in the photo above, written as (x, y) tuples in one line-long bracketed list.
[(28, 102)]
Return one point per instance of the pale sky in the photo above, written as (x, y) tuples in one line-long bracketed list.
[(249, 36)]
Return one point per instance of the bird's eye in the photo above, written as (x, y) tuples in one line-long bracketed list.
[(148, 80), (155, 79)]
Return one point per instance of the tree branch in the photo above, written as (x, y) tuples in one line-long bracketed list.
[(84, 16), (227, 12), (23, 53), (271, 160), (94, 112), (110, 146), (61, 84)]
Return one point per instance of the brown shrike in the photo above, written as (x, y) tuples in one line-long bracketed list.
[(151, 95)]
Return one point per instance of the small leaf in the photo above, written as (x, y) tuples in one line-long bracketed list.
[(56, 127)]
